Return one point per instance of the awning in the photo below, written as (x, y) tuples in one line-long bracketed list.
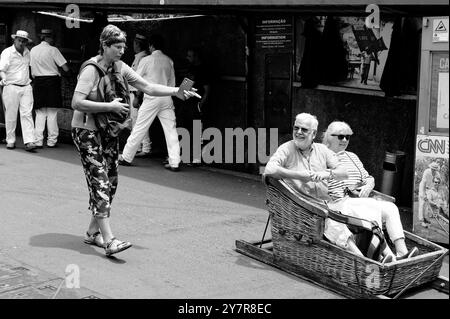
[(318, 7)]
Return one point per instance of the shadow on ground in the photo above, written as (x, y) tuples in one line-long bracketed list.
[(72, 242), (212, 184)]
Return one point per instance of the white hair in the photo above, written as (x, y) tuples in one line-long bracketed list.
[(308, 118), (336, 126)]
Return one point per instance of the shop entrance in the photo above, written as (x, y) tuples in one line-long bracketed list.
[(277, 108)]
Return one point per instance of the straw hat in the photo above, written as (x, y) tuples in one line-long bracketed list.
[(21, 34), (434, 165), (47, 32)]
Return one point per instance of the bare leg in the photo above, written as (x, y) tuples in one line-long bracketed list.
[(93, 226), (105, 228), (400, 247)]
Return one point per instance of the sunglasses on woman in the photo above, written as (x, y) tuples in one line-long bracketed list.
[(341, 136)]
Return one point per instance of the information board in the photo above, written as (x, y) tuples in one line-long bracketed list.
[(274, 33)]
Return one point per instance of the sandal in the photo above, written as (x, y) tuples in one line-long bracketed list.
[(116, 246), (94, 239)]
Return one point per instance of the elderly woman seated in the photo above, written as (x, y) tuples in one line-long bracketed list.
[(360, 184)]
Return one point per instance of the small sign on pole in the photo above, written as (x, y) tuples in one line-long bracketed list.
[(440, 30)]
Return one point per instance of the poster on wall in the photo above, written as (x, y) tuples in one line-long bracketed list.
[(439, 92), (367, 51), (431, 193)]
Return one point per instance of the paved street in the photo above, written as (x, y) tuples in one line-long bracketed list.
[(183, 226)]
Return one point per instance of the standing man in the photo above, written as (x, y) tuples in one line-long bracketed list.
[(195, 108), (157, 68), (45, 61), (429, 175), (140, 46), (367, 56), (17, 92)]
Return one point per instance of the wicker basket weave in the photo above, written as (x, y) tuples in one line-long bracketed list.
[(297, 236)]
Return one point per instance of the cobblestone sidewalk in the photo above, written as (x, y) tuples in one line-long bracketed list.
[(20, 281)]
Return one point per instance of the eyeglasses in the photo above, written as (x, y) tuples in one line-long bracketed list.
[(341, 136)]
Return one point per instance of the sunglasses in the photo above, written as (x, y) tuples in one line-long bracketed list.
[(341, 136), (304, 130)]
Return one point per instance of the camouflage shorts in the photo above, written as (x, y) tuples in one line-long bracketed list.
[(99, 157)]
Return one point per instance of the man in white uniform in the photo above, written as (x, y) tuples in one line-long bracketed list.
[(17, 92), (156, 68), (45, 59), (426, 183), (140, 46)]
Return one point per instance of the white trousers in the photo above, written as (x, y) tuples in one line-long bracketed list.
[(18, 99), (49, 115), (146, 144), (421, 209), (365, 208), (150, 108)]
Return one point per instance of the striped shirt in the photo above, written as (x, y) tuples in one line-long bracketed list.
[(357, 175)]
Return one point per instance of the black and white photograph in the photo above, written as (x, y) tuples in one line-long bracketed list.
[(224, 158), (431, 196)]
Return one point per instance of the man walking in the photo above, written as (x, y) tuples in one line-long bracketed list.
[(156, 68), (140, 46), (17, 92), (45, 61)]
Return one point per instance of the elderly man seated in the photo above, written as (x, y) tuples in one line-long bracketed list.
[(307, 166)]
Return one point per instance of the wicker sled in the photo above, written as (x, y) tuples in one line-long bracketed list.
[(299, 247)]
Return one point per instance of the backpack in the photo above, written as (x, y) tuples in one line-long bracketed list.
[(110, 86)]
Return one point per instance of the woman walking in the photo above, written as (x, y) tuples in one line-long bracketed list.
[(99, 152)]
